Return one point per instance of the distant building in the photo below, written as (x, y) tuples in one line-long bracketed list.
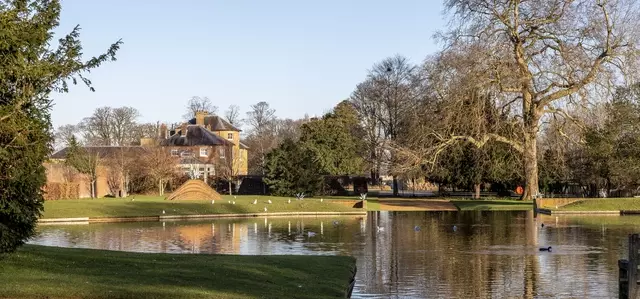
[(203, 145)]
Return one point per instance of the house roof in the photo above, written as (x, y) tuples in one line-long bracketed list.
[(243, 146), (102, 151), (216, 123), (196, 135)]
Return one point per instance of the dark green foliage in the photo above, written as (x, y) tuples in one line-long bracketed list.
[(464, 165), (30, 69), (328, 146), (334, 141), (291, 169)]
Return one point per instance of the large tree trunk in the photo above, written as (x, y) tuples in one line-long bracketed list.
[(530, 159), (395, 186), (230, 190), (477, 189)]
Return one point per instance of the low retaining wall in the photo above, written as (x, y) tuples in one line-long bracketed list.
[(551, 212), (187, 217), (556, 202)]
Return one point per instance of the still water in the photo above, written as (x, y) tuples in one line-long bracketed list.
[(404, 254)]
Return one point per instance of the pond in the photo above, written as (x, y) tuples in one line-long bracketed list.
[(404, 254)]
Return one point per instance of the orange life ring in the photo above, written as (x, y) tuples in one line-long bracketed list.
[(519, 190)]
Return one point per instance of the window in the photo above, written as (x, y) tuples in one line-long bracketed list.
[(230, 136), (186, 154), (204, 152), (221, 151), (174, 152)]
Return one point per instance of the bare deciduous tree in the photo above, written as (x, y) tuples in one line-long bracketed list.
[(233, 115), (121, 161), (196, 104), (147, 130), (123, 125), (555, 52), (261, 120), (63, 135), (110, 126), (160, 166), (97, 127), (389, 94), (228, 167)]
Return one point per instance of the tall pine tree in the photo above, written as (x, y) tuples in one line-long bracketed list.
[(30, 70)]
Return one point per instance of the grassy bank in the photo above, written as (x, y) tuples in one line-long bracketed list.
[(52, 272), (153, 206), (603, 204), (492, 205)]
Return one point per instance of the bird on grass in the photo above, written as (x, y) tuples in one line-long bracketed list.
[(163, 212), (133, 199), (321, 199), (234, 197), (289, 200), (265, 209), (213, 201), (233, 202), (269, 201), (255, 201), (228, 201), (546, 249)]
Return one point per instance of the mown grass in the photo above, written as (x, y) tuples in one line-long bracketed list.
[(603, 204), (154, 205), (492, 205), (52, 272)]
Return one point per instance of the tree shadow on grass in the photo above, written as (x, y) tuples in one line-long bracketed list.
[(74, 273)]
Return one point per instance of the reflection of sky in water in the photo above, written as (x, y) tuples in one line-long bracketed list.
[(488, 255)]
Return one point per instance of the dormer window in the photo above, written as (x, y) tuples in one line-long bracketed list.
[(230, 136), (204, 152)]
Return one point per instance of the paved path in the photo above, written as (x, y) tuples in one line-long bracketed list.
[(416, 205)]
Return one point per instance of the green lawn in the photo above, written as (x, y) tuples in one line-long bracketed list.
[(154, 205), (52, 272), (603, 204), (492, 205), (373, 205)]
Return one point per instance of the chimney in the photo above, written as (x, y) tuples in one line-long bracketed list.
[(200, 115), (183, 130), (163, 132)]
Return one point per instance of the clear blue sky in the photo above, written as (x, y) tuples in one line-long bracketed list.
[(299, 56)]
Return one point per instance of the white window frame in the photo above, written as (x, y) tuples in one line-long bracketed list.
[(229, 134), (174, 153), (204, 152), (221, 151), (186, 154)]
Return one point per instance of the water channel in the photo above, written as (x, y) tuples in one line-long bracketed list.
[(404, 254)]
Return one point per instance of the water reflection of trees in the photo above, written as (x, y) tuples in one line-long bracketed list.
[(491, 254)]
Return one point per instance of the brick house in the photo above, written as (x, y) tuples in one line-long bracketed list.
[(207, 145)]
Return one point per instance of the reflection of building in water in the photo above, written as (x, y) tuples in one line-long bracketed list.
[(212, 238)]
